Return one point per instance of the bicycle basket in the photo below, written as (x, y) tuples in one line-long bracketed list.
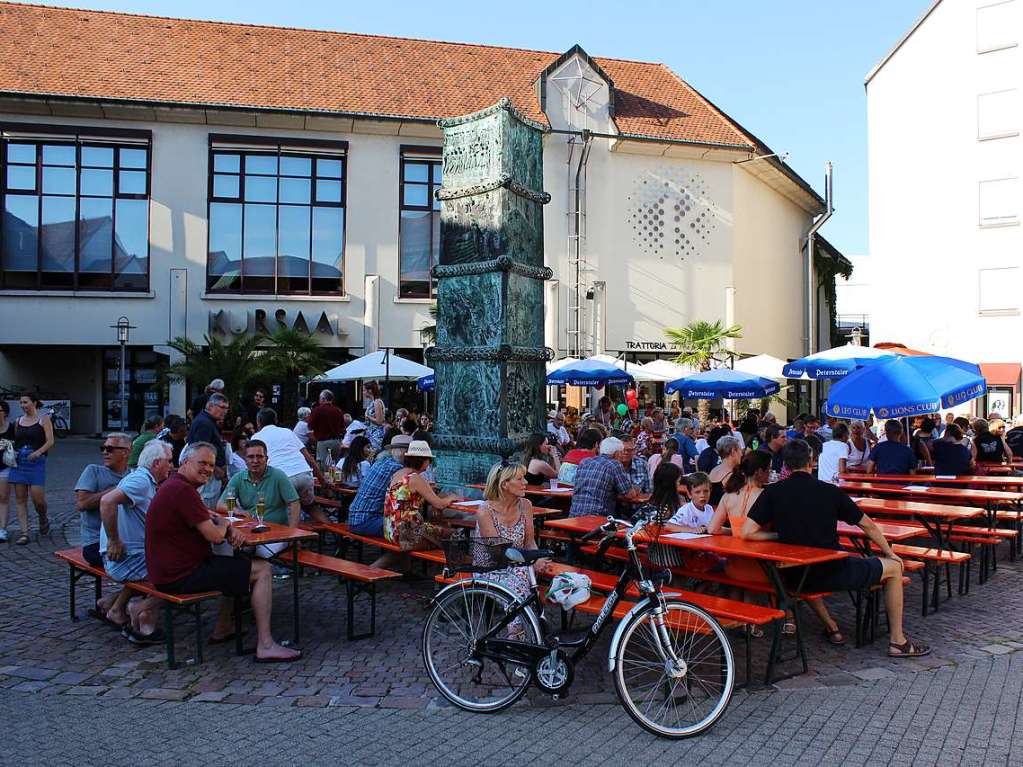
[(663, 555), (475, 555)]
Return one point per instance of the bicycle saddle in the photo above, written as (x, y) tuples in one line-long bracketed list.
[(526, 556)]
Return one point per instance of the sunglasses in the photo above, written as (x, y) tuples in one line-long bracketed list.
[(110, 448)]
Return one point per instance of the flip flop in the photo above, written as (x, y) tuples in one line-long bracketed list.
[(101, 616), (279, 660), (142, 640)]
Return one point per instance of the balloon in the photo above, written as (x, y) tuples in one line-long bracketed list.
[(622, 409)]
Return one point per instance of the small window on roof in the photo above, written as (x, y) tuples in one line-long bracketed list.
[(999, 202), (998, 114)]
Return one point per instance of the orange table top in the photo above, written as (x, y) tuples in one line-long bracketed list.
[(725, 545), (979, 497), (276, 533), (892, 531), (931, 479), (472, 507), (896, 507)]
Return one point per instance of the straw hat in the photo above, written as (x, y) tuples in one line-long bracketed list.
[(419, 449)]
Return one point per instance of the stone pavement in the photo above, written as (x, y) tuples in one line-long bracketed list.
[(857, 703)]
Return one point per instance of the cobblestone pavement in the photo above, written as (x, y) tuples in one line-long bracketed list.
[(853, 701)]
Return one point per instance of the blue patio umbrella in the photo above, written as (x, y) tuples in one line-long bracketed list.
[(906, 386), (723, 383), (425, 383), (589, 373), (835, 363)]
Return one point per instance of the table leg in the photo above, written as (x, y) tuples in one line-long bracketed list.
[(785, 602)]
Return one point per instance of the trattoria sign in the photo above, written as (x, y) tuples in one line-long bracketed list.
[(647, 345)]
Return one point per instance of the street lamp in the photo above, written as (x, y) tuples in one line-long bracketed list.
[(123, 327)]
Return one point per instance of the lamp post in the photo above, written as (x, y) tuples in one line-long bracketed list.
[(123, 327)]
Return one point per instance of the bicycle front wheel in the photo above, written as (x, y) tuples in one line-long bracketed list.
[(676, 680), (476, 678)]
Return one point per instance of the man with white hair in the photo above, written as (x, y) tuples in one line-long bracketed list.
[(686, 444), (122, 540), (216, 386), (556, 428), (601, 481), (326, 422)]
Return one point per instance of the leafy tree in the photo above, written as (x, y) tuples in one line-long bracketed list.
[(288, 356), (233, 362), (700, 344)]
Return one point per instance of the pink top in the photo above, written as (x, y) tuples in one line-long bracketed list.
[(655, 461)]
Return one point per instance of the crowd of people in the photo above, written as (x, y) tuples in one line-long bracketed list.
[(154, 507)]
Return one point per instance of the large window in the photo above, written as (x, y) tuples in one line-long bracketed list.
[(419, 232), (277, 220), (75, 213)]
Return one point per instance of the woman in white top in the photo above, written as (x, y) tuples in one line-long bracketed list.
[(834, 455), (302, 427), (859, 447)]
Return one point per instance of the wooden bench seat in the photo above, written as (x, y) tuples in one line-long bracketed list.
[(358, 578), (78, 567)]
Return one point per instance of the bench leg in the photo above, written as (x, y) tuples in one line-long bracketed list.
[(773, 655), (197, 609), (97, 587), (747, 636), (925, 576), (236, 610), (168, 632), (352, 589), (72, 588), (948, 579)]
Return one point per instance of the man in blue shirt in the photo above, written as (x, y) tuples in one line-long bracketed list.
[(95, 480), (686, 445), (366, 512), (601, 480), (122, 539), (891, 456)]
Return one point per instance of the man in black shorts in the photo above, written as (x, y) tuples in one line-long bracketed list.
[(805, 511), (179, 532)]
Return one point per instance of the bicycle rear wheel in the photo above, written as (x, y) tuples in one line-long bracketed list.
[(669, 700), (460, 617)]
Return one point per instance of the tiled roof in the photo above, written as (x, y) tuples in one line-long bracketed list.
[(63, 52)]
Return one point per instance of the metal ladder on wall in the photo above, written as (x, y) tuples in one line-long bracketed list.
[(578, 156)]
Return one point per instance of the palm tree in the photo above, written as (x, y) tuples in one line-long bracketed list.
[(288, 356), (700, 344), (428, 333), (233, 362)]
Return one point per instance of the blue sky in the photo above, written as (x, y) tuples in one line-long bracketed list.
[(790, 71)]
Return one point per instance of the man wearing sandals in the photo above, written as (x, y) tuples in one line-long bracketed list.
[(805, 511), (122, 541), (179, 533)]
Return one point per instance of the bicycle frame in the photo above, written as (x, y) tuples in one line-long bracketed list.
[(509, 649)]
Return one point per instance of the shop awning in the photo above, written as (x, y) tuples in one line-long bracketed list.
[(1001, 373)]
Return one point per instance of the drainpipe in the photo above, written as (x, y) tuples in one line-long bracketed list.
[(811, 288)]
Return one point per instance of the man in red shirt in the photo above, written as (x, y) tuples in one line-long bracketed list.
[(327, 423), (179, 532)]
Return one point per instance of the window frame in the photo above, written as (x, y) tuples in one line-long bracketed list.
[(1001, 311), (432, 155), (40, 135), (263, 146)]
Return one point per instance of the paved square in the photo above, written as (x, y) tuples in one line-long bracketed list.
[(373, 696)]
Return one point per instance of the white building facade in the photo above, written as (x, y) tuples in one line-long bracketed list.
[(945, 109), (230, 213)]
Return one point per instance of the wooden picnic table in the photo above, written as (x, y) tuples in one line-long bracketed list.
[(987, 482), (274, 534), (989, 500)]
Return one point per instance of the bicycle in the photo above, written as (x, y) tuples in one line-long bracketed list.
[(483, 645)]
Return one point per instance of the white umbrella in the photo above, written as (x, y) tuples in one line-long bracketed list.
[(555, 364), (763, 365), (662, 370), (639, 372), (374, 366)]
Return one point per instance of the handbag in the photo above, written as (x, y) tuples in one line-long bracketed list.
[(10, 457)]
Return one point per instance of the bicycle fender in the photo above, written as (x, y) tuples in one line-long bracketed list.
[(493, 586), (620, 629)]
